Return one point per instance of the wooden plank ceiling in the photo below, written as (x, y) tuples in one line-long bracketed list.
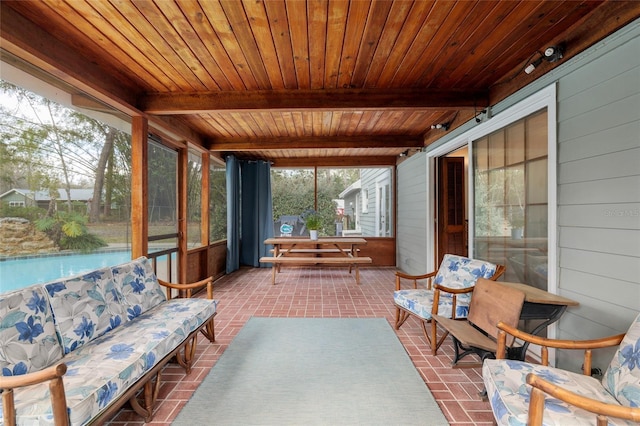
[(301, 82)]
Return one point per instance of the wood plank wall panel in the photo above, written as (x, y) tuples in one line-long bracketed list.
[(196, 265), (218, 259), (382, 251)]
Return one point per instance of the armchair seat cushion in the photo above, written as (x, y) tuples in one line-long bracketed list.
[(419, 302), (508, 393)]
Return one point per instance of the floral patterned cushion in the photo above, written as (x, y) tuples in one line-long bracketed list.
[(622, 378), (28, 340), (139, 286), (462, 272), (85, 307), (420, 302), (509, 395), (454, 272), (123, 356)]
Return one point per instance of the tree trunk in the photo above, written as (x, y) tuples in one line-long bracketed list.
[(108, 187), (94, 212)]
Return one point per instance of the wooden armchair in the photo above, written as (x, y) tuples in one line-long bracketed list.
[(556, 396), (53, 375), (456, 278)]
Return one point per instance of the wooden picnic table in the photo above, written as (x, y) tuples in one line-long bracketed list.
[(323, 251)]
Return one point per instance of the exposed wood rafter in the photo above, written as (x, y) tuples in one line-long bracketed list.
[(308, 100), (317, 142)]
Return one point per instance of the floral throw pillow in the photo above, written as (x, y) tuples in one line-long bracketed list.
[(28, 339), (139, 286), (85, 307), (622, 378)]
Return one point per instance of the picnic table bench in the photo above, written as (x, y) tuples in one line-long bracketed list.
[(323, 251)]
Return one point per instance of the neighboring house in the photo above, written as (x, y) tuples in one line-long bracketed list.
[(591, 187), (27, 198), (377, 202), (352, 208), (368, 204)]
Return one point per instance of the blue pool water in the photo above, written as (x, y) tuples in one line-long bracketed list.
[(20, 273)]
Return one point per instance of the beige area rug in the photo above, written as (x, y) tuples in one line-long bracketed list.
[(313, 371)]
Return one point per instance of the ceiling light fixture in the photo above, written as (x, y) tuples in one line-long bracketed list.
[(550, 54)]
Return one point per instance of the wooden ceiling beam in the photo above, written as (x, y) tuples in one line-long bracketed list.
[(310, 100), (317, 142), (336, 161)]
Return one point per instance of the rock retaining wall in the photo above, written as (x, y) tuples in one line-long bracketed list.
[(19, 237)]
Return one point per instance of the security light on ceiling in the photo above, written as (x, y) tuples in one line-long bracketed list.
[(553, 53), (443, 126), (550, 54)]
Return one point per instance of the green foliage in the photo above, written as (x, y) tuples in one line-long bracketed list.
[(69, 231), (218, 204), (73, 229), (293, 192), (45, 224), (29, 213), (82, 243), (313, 221)]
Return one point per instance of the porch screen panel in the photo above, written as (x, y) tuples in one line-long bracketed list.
[(163, 211), (194, 199), (511, 200), (217, 203)]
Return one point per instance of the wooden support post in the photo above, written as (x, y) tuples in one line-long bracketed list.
[(139, 187)]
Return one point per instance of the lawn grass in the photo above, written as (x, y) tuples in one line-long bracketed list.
[(120, 232)]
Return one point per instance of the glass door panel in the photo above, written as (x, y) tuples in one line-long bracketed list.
[(510, 199)]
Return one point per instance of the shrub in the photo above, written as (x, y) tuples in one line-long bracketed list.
[(69, 231), (29, 213)]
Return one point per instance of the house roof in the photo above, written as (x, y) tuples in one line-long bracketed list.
[(300, 82), (76, 194), (353, 188)]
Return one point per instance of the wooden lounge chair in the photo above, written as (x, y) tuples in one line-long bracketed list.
[(533, 394), (456, 277)]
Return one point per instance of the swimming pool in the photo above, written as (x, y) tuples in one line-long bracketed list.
[(23, 272)]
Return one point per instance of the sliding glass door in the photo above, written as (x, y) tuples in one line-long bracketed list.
[(511, 200)]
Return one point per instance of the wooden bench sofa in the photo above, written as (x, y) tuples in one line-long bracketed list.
[(75, 350)]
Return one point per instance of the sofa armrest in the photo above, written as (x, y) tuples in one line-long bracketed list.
[(401, 277), (540, 387), (546, 343), (189, 287), (53, 375)]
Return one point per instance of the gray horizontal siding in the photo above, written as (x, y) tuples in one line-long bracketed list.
[(599, 196), (412, 217)]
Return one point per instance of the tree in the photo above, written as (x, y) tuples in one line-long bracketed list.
[(105, 154), (293, 193), (45, 145)]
